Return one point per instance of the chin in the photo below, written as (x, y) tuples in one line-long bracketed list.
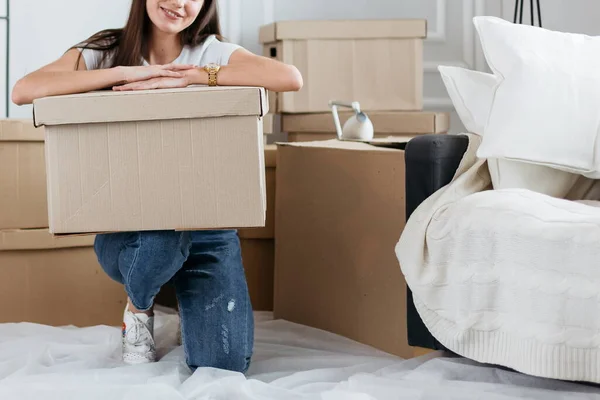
[(169, 27)]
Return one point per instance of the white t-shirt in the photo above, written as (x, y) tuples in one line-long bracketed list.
[(212, 50)]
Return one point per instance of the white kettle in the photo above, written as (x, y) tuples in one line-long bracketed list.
[(358, 127)]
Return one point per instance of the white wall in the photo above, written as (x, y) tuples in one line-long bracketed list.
[(43, 29), (3, 25)]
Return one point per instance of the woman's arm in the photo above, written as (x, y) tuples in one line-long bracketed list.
[(247, 69), (69, 75), (244, 69)]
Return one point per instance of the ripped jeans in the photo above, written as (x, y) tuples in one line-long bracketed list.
[(206, 269)]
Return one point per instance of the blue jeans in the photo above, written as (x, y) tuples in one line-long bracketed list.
[(206, 269)]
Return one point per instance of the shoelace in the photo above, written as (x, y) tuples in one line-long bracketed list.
[(138, 335)]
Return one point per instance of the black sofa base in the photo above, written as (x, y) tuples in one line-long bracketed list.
[(431, 162)]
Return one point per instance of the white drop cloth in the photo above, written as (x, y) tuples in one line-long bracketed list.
[(291, 362)]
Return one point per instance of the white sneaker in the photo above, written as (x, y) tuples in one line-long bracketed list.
[(138, 338)]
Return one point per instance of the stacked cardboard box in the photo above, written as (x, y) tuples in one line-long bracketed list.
[(268, 126), (176, 159), (340, 211), (378, 63), (258, 245), (44, 279), (22, 176), (55, 281), (340, 205), (315, 127)]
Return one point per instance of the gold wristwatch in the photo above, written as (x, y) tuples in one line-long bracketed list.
[(213, 71)]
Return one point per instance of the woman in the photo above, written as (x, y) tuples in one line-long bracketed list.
[(170, 44)]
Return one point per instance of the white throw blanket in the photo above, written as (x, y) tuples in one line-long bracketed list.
[(508, 277)]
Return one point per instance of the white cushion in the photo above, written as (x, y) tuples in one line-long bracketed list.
[(471, 93), (546, 106)]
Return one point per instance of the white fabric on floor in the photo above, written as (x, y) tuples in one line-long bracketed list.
[(291, 362)]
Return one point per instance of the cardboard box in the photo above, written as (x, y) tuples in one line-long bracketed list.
[(55, 281), (320, 126), (340, 212), (259, 262), (268, 231), (155, 160), (376, 62), (22, 176), (271, 125), (272, 99)]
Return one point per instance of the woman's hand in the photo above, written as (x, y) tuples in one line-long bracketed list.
[(59, 78), (146, 73), (154, 83)]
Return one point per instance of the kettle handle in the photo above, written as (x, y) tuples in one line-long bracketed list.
[(336, 121), (355, 105)]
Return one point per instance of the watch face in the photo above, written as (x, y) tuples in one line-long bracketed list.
[(212, 65)]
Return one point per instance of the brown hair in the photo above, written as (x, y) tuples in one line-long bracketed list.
[(127, 45)]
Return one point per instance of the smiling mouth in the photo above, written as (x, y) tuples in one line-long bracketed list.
[(171, 13)]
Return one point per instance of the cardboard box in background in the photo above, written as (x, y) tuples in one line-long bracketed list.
[(258, 245), (273, 132), (259, 263), (271, 126), (23, 198), (320, 126), (55, 281), (268, 124), (268, 231), (340, 212), (155, 160), (272, 99), (376, 62)]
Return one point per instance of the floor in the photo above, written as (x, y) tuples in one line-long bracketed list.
[(291, 362)]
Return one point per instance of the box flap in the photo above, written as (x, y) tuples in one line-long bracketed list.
[(343, 29), (385, 122), (150, 105), (20, 130), (384, 144), (40, 239), (270, 156)]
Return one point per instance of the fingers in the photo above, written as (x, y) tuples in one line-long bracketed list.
[(156, 83), (145, 76), (169, 74), (123, 88), (142, 85), (178, 67)]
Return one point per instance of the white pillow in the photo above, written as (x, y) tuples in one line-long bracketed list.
[(546, 106), (471, 93)]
